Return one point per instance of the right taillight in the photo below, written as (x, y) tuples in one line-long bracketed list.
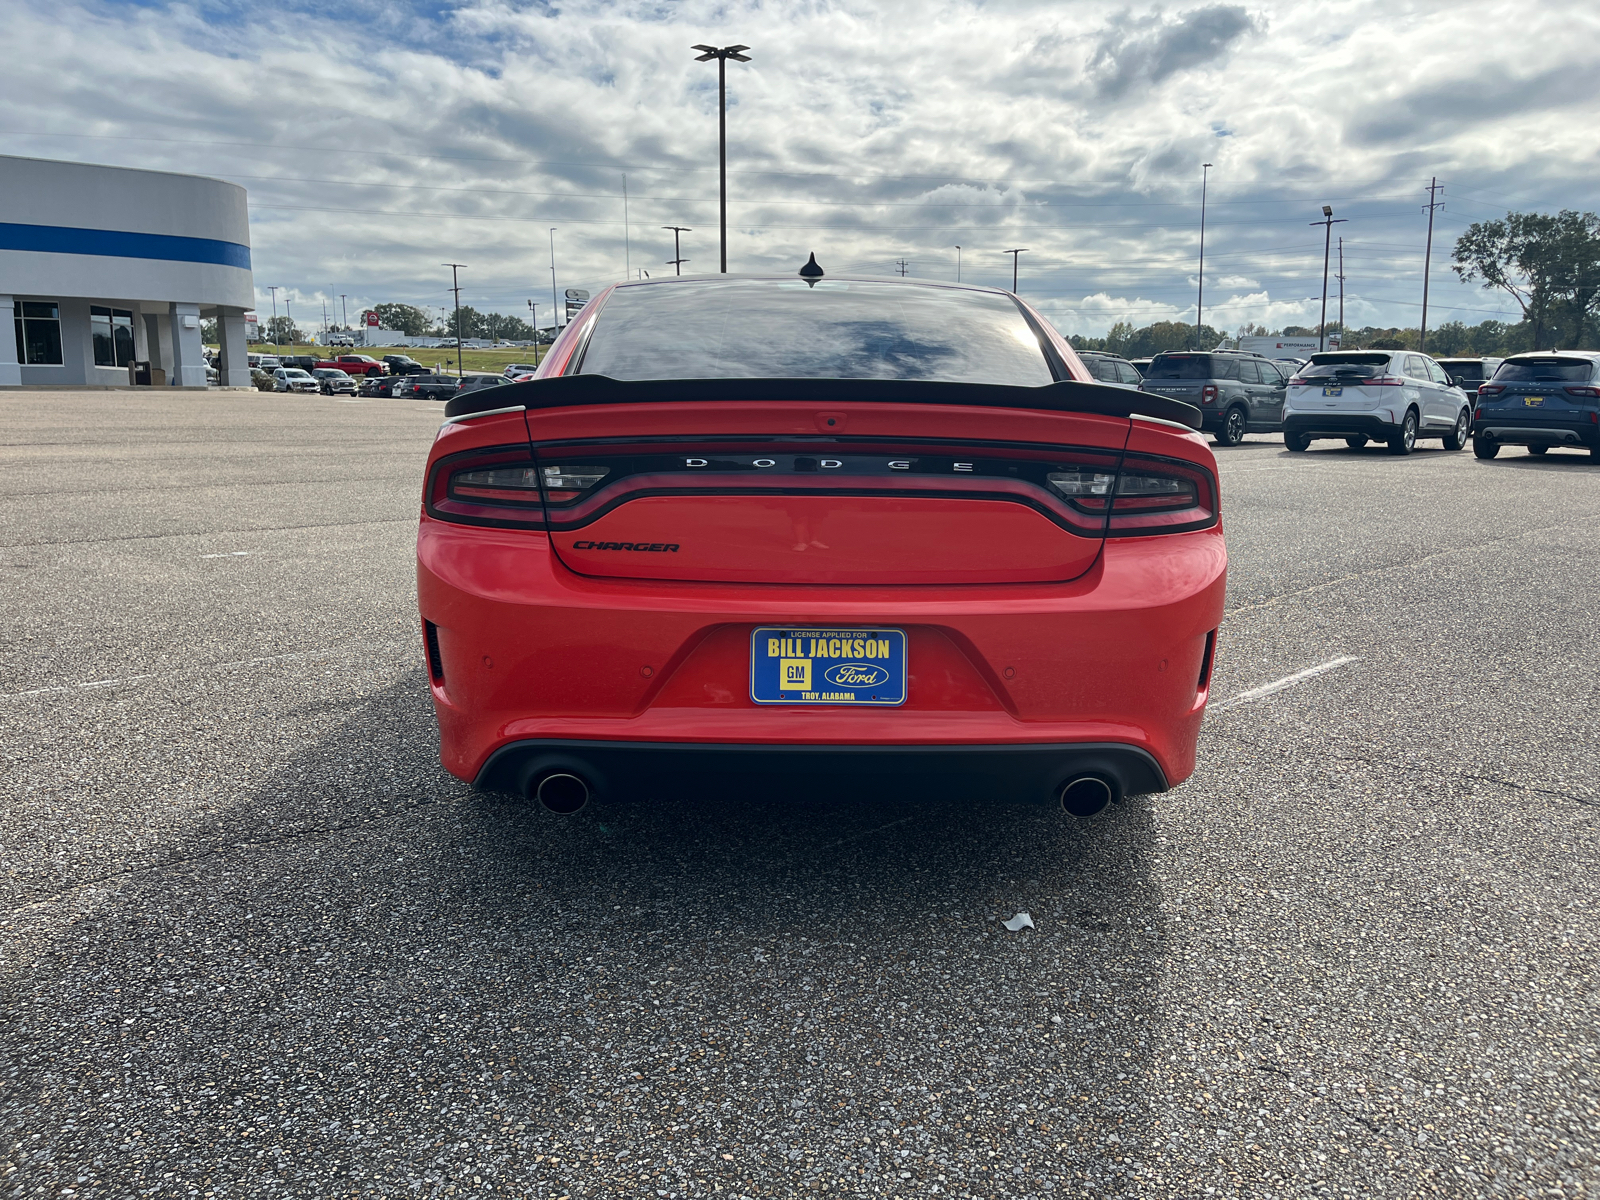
[(1208, 394), (1161, 495), (1383, 381)]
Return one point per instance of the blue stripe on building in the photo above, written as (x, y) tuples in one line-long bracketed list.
[(114, 243)]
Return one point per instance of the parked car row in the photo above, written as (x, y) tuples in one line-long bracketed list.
[(1538, 399)]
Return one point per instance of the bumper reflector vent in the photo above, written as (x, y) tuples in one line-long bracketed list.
[(430, 635)]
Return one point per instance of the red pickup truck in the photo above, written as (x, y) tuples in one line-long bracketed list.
[(354, 364)]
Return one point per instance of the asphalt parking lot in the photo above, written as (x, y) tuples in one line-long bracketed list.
[(257, 943)]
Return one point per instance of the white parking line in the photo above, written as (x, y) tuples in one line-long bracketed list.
[(227, 554), (1288, 681), (105, 683)]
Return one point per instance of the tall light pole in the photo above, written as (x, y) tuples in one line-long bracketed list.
[(1434, 187), (1200, 292), (958, 264), (533, 319), (1327, 223), (555, 305), (345, 309), (1014, 254), (274, 290), (722, 56), (678, 259), (456, 288), (288, 312)]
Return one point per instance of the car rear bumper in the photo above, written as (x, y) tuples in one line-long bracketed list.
[(535, 655), (1340, 425), (618, 769), (1549, 433)]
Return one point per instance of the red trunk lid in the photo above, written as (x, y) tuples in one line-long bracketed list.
[(716, 493)]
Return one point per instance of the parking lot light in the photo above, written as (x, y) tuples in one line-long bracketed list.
[(1327, 223), (722, 56)]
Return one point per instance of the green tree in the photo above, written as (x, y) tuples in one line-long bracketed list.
[(406, 318), (1119, 338), (281, 332), (1550, 265)]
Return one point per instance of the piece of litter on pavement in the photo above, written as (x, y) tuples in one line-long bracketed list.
[(1021, 921)]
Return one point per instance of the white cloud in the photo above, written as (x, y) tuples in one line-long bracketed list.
[(378, 146)]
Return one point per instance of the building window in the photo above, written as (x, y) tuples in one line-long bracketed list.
[(112, 332), (38, 334)]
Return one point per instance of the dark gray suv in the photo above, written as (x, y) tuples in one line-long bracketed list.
[(1235, 393)]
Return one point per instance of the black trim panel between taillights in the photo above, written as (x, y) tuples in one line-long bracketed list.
[(1088, 491)]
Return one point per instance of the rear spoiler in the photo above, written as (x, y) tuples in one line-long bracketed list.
[(1068, 395)]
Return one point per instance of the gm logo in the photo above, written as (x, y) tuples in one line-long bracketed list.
[(855, 675)]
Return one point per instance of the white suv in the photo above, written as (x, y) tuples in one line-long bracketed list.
[(1393, 396)]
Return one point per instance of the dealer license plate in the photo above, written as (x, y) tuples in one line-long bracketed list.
[(828, 666), (1333, 391), (1533, 401)]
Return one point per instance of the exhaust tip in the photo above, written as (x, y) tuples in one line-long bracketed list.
[(1086, 795), (562, 792)]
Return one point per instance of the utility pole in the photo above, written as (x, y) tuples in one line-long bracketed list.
[(1434, 188), (276, 338), (324, 322), (555, 305), (722, 56), (288, 312), (1014, 254), (533, 317), (677, 260), (344, 307), (902, 266), (1327, 223), (627, 253), (456, 288), (958, 264), (1341, 294), (1200, 292)]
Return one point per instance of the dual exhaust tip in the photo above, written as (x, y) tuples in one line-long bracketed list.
[(562, 792), (565, 793), (1086, 795)]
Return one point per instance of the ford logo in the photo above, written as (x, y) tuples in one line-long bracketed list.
[(855, 675)]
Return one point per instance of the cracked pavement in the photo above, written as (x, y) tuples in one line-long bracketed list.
[(257, 943)]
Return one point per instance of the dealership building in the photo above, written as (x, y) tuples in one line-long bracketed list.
[(106, 269)]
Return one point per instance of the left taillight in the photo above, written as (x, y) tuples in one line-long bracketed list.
[(496, 485)]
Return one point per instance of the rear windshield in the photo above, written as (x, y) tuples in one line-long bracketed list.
[(1544, 370), (1180, 366), (776, 329), (1348, 364)]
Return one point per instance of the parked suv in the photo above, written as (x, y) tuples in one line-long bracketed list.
[(514, 369), (1111, 368), (1468, 373), (1236, 393), (305, 362), (1540, 400), (1374, 395), (427, 387)]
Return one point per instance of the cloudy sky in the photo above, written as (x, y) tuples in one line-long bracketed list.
[(386, 140)]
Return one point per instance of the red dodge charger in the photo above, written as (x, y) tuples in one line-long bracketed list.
[(853, 529)]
